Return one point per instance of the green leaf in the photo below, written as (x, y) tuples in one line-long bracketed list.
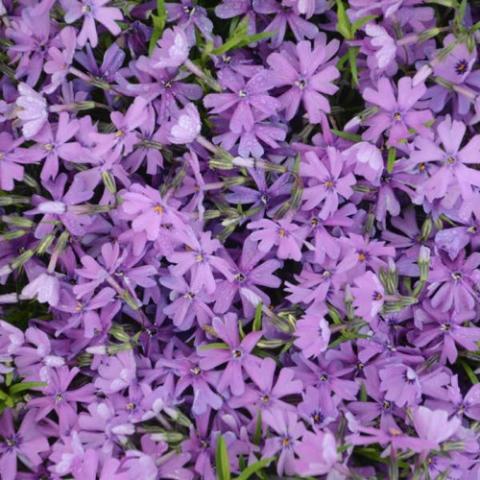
[(159, 20), (254, 38), (344, 27), (352, 60), (254, 468), (332, 311), (392, 156), (470, 373), (358, 24), (221, 460), (21, 387), (460, 13), (214, 346), (239, 37), (444, 3), (257, 320), (257, 436), (347, 135)]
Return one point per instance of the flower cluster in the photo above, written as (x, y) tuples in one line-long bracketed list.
[(238, 239)]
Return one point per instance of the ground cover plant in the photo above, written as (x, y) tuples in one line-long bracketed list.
[(239, 239)]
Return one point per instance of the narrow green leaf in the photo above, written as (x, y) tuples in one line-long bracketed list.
[(257, 320), (214, 346), (344, 27), (358, 24), (221, 460), (159, 20), (470, 373), (332, 311), (254, 38), (352, 60), (254, 468), (257, 436), (460, 13), (21, 387), (392, 156), (347, 135)]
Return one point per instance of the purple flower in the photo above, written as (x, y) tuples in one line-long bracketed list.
[(200, 260), (452, 162), (32, 110), (186, 126), (317, 454), (312, 335), (10, 169), (248, 273), (397, 113), (173, 49), (286, 235), (452, 283), (45, 288), (91, 11), (286, 438), (284, 16), (329, 185), (368, 295), (236, 354), (116, 373), (248, 97), (25, 443), (267, 393), (57, 397), (434, 426), (309, 73)]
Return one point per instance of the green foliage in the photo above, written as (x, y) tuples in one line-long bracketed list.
[(239, 38), (13, 393), (222, 462), (159, 20)]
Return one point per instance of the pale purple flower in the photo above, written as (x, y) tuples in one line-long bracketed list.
[(116, 373), (369, 296), (186, 127), (45, 288), (312, 335), (32, 110), (317, 454), (434, 426), (172, 50)]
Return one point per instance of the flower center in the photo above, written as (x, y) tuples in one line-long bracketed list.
[(242, 93), (282, 232), (362, 256), (397, 116), (456, 276), (158, 209), (300, 84), (236, 353), (461, 67), (196, 371), (240, 277), (377, 296)]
